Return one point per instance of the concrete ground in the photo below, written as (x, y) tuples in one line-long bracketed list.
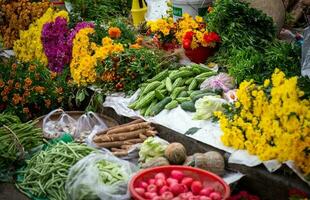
[(10, 192)]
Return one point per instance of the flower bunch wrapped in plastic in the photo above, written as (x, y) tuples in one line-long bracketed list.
[(55, 43), (271, 121)]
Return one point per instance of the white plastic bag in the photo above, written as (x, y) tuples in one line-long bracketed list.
[(56, 128), (86, 124), (84, 181)]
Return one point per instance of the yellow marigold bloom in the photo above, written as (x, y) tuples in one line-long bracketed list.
[(198, 19), (106, 41)]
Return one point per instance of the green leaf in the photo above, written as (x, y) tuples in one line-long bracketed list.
[(192, 131)]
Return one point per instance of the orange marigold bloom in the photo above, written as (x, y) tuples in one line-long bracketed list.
[(59, 90), (14, 66), (47, 103), (26, 94), (17, 85), (10, 82), (139, 40), (39, 89), (115, 32), (53, 75), (16, 99), (32, 68), (28, 82), (210, 9), (1, 84), (135, 46), (108, 76), (37, 76), (25, 110), (5, 98)]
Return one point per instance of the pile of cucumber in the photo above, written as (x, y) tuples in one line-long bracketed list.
[(171, 88)]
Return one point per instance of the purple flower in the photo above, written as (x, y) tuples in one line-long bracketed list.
[(57, 49)]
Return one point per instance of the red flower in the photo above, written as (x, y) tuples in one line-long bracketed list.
[(186, 43), (188, 35), (211, 37)]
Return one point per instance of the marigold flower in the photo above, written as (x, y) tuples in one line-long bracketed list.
[(17, 85), (28, 82), (114, 32), (16, 99), (39, 89), (14, 66), (31, 68), (135, 46), (1, 84), (139, 40), (5, 98), (10, 82), (47, 103)]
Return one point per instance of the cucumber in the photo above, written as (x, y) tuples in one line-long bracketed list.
[(196, 92), (188, 81), (133, 105), (161, 86), (177, 91), (160, 106), (173, 104), (201, 68), (149, 109), (146, 100), (183, 99), (183, 94), (150, 87), (185, 73), (188, 106), (159, 95), (177, 83), (195, 98), (206, 75), (143, 110), (193, 85), (159, 77), (168, 84)]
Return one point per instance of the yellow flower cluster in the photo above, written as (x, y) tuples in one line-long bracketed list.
[(272, 125), (29, 47), (161, 25), (86, 54), (186, 24)]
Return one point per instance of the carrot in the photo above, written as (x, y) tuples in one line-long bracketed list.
[(123, 125), (131, 127), (120, 136)]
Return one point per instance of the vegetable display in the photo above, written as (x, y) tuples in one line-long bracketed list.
[(171, 88), (47, 171), (119, 139), (152, 148), (16, 139), (176, 185)]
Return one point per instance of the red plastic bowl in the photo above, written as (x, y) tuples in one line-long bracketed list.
[(207, 178)]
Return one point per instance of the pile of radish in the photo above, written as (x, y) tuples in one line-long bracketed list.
[(175, 187)]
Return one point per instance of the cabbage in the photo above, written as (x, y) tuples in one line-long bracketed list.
[(207, 105), (152, 148)]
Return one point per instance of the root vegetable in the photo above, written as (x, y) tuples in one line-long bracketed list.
[(175, 153), (132, 127), (121, 136), (126, 146), (134, 141), (150, 133), (120, 153), (142, 136), (123, 125)]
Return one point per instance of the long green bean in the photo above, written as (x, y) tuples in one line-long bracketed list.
[(49, 169)]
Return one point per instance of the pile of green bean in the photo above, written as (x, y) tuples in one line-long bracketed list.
[(110, 172), (16, 139), (7, 119), (46, 172)]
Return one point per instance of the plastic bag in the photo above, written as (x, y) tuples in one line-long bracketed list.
[(85, 183), (156, 9), (86, 124), (221, 81), (305, 59), (56, 128)]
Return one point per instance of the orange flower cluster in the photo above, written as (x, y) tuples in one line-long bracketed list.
[(114, 32), (18, 15)]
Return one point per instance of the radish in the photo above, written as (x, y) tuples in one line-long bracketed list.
[(176, 174), (194, 198), (140, 191), (186, 195), (160, 182), (160, 175), (171, 181), (187, 181), (206, 191), (215, 196), (177, 189), (150, 195), (165, 188), (152, 188), (152, 181), (196, 187), (167, 196), (143, 184)]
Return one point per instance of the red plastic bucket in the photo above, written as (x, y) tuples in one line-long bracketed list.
[(200, 54), (207, 178)]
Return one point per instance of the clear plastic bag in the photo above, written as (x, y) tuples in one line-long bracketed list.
[(56, 128), (86, 124), (85, 183)]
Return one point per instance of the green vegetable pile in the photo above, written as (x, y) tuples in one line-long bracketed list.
[(170, 88), (16, 139), (151, 148), (110, 173), (207, 105), (46, 172), (249, 48)]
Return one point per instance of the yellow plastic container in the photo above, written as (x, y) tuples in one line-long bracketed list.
[(138, 11)]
